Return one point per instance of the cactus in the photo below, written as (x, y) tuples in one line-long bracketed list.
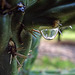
[(18, 18), (27, 65)]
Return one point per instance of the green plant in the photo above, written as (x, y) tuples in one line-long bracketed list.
[(52, 64), (19, 17)]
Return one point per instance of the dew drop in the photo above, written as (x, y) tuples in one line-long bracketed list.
[(49, 34)]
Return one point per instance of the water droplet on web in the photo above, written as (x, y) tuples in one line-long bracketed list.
[(49, 34)]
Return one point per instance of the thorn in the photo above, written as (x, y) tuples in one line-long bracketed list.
[(3, 4), (22, 43), (60, 24), (20, 48), (19, 69), (20, 4), (20, 23), (10, 58), (20, 55), (56, 23), (9, 52), (29, 54), (6, 11), (18, 61), (36, 30), (30, 50), (32, 34), (11, 43)]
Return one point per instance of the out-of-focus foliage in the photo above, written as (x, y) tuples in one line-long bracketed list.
[(47, 63), (19, 17)]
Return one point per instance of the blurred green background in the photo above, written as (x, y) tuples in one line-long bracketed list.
[(56, 65)]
